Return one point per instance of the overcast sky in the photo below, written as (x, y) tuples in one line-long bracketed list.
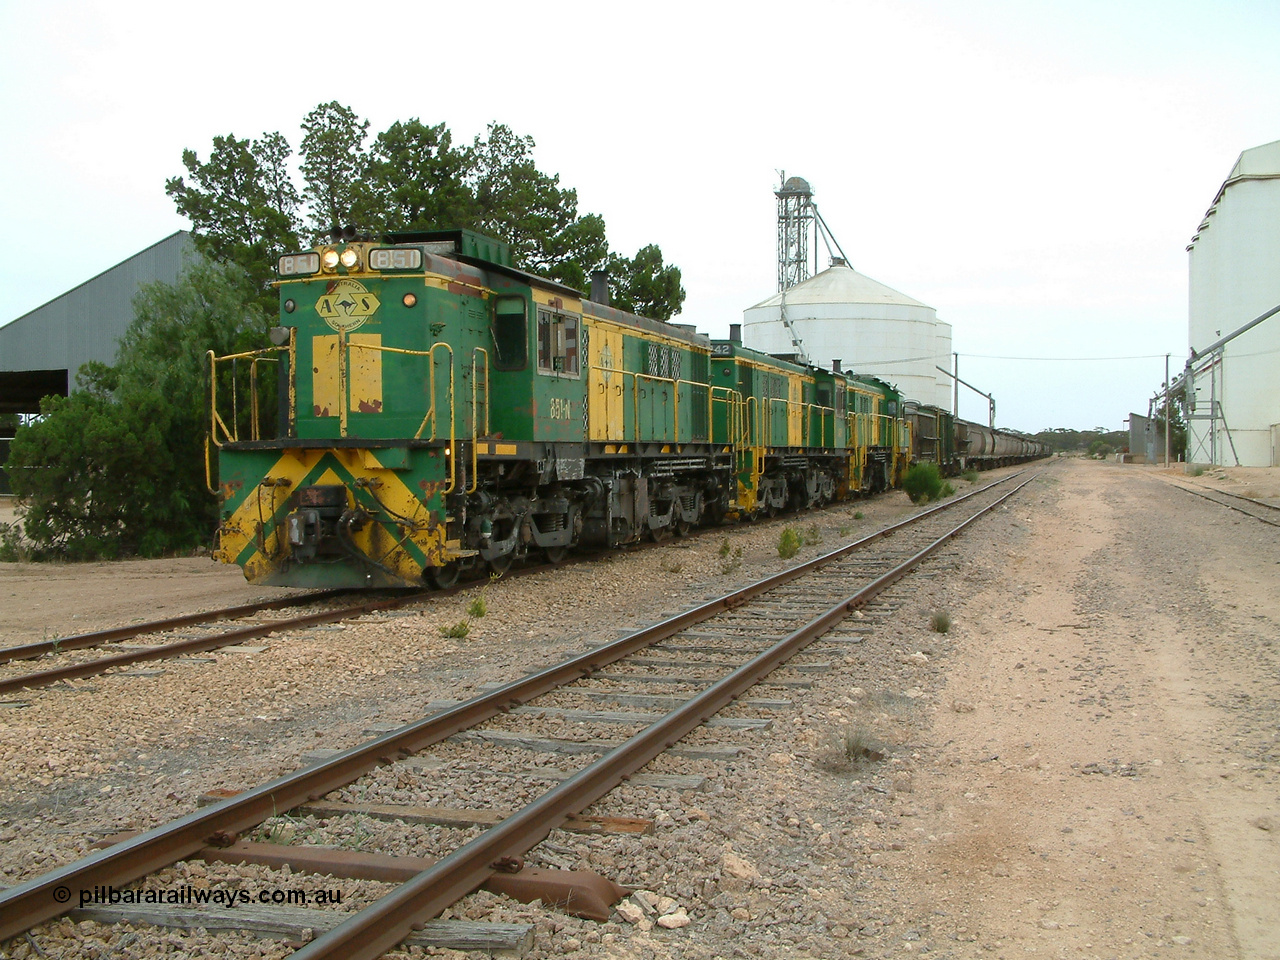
[(1032, 170)]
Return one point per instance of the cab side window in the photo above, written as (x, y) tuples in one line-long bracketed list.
[(557, 343), (510, 340)]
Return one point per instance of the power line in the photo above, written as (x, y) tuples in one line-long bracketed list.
[(983, 356)]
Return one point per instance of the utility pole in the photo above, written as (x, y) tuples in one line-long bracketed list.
[(1166, 411), (991, 401), (955, 395)]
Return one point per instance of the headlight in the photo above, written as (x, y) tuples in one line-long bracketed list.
[(329, 259), (298, 264), (349, 257), (395, 258)]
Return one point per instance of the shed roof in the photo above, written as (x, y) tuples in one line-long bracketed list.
[(41, 351)]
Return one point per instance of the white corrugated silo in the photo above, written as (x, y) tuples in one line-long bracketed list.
[(1233, 280), (840, 314)]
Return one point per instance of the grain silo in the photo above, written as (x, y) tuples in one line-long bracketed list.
[(840, 314), (1234, 329)]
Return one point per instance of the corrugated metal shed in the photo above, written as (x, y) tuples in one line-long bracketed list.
[(42, 350)]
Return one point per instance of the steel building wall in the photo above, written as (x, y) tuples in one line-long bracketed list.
[(1233, 279), (86, 322)]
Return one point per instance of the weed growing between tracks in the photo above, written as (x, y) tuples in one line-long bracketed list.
[(789, 543), (476, 609), (730, 557)]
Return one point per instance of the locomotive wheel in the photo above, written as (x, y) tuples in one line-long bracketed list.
[(442, 578), (658, 534), (502, 564), (555, 554), (682, 528)]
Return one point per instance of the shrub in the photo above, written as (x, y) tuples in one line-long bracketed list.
[(858, 515), (971, 476), (848, 747), (731, 562), (812, 534), (726, 548), (457, 631), (923, 483), (789, 543), (117, 467), (940, 622), (477, 608), (12, 547)]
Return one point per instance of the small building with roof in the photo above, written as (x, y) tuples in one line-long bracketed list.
[(41, 351)]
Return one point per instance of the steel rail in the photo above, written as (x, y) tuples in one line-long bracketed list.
[(179, 648), (381, 926), (1229, 506), (29, 651), (34, 901)]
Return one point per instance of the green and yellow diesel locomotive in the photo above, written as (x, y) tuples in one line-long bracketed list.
[(443, 412)]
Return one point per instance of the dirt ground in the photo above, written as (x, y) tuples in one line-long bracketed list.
[(1101, 776), (1086, 765)]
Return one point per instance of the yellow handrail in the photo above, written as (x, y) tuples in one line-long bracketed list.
[(733, 414), (232, 434), (475, 424), (255, 415), (431, 410)]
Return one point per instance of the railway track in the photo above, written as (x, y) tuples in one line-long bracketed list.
[(32, 651), (699, 661), (81, 667), (1259, 510)]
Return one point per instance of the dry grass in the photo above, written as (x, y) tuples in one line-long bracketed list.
[(848, 747)]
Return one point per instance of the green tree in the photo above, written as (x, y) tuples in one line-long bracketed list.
[(417, 179), (333, 165), (211, 307), (242, 204), (529, 210), (1066, 440), (645, 285), (245, 209), (118, 467)]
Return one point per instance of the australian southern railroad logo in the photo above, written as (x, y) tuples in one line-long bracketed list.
[(346, 304)]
